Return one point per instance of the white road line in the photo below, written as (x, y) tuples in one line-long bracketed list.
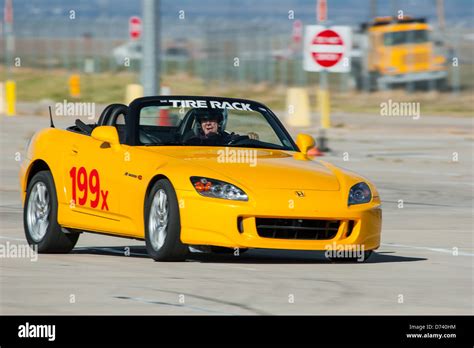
[(10, 238), (439, 250)]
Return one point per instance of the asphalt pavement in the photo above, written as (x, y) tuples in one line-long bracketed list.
[(424, 172)]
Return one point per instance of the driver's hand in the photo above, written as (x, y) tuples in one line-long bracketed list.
[(211, 134), (253, 136)]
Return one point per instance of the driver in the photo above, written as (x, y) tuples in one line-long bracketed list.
[(210, 129)]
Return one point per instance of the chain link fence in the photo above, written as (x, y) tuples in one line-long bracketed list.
[(252, 52)]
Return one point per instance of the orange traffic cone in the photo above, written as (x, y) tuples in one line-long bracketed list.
[(315, 152)]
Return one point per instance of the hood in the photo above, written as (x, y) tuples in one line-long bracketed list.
[(270, 169)]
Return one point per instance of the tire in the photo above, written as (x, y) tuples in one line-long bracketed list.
[(442, 84), (40, 217), (357, 76), (373, 81), (367, 254), (162, 224)]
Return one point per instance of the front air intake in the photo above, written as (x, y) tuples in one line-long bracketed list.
[(301, 229)]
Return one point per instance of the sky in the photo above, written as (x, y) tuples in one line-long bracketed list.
[(345, 11)]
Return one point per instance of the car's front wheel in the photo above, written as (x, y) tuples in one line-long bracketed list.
[(162, 224), (40, 217)]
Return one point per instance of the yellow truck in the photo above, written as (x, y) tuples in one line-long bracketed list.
[(392, 51)]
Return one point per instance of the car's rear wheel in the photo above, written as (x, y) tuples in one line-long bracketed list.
[(162, 224), (358, 259), (40, 217)]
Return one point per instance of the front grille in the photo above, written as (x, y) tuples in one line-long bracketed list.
[(416, 58), (305, 229)]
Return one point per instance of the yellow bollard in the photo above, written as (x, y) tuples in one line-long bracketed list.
[(324, 107), (75, 86), (297, 107), (2, 98), (133, 91), (10, 96)]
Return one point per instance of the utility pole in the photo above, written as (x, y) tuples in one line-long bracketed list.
[(373, 9), (440, 11), (394, 8), (9, 38), (151, 44)]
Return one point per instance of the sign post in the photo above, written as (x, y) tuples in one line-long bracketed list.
[(324, 100), (321, 11), (326, 49), (135, 30), (323, 93), (297, 32)]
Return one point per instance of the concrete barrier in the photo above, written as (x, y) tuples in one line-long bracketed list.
[(297, 107), (133, 91)]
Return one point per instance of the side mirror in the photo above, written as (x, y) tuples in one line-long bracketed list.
[(106, 134), (305, 142)]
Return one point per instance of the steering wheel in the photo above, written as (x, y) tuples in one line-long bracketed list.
[(147, 138), (238, 139)]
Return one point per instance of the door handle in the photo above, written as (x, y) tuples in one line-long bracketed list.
[(74, 150)]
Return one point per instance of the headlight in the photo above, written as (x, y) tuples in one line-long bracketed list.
[(359, 193), (218, 189)]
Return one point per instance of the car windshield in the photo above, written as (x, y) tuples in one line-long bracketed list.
[(405, 37), (207, 122)]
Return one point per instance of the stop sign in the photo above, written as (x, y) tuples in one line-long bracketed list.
[(327, 48), (135, 27)]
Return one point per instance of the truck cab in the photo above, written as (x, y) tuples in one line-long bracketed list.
[(401, 51)]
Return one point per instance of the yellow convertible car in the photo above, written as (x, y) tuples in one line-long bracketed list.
[(201, 172)]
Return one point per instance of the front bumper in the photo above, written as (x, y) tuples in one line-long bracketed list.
[(211, 221), (414, 77)]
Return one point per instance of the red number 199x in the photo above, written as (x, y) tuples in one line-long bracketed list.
[(89, 185)]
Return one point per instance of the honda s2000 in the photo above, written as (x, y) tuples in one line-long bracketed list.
[(201, 172)]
